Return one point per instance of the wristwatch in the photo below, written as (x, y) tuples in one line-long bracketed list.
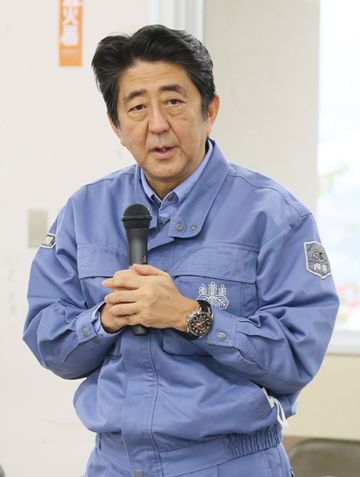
[(200, 321)]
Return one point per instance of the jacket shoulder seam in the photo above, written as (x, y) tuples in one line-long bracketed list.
[(275, 189)]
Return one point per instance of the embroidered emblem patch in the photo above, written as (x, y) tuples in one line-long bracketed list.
[(214, 295), (317, 261), (48, 242)]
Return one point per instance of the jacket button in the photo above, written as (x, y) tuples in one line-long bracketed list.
[(180, 227), (139, 473), (193, 227), (221, 336), (85, 332)]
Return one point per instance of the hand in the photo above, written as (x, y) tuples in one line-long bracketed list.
[(146, 295)]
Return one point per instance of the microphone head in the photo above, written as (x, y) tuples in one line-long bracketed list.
[(136, 216)]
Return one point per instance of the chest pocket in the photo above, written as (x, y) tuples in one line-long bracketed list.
[(221, 273), (95, 263)]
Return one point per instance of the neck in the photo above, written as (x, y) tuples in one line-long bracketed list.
[(161, 189)]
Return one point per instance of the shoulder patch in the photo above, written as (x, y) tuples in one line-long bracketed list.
[(317, 261), (48, 242)]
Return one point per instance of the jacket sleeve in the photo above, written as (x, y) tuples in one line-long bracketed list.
[(60, 329), (282, 345)]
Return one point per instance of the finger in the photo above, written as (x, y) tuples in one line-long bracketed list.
[(124, 309), (147, 270), (124, 273), (121, 281), (112, 324), (122, 278), (122, 320), (121, 296)]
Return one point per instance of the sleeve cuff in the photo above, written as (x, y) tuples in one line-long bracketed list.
[(222, 333), (99, 330), (89, 326), (224, 329)]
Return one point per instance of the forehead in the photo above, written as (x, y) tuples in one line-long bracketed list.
[(153, 77)]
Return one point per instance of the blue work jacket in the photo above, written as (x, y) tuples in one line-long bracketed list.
[(162, 402)]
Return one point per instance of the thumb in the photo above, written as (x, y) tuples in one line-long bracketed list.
[(147, 270)]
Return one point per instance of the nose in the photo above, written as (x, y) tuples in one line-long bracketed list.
[(158, 122)]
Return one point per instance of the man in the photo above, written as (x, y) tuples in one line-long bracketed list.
[(238, 298)]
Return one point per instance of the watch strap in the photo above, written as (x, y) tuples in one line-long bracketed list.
[(203, 308)]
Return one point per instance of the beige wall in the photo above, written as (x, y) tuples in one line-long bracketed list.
[(329, 406), (266, 69)]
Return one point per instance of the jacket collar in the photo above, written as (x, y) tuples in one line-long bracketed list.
[(192, 212)]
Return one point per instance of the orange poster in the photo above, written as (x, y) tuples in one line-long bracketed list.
[(70, 33)]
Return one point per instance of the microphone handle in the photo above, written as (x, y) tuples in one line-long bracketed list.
[(139, 330), (137, 248)]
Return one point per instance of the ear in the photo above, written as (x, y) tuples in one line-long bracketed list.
[(117, 131), (212, 111)]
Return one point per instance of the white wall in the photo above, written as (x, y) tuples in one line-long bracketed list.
[(266, 70), (54, 137)]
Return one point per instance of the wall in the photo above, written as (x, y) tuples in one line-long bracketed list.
[(329, 406), (266, 69), (54, 137)]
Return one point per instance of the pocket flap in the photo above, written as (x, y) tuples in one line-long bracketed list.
[(220, 260), (95, 260)]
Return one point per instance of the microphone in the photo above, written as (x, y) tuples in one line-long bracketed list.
[(136, 220)]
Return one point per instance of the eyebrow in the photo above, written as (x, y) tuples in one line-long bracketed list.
[(175, 87), (134, 94)]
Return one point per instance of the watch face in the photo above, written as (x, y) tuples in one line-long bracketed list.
[(200, 323)]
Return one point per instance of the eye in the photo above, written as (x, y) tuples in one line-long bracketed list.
[(137, 108), (174, 101)]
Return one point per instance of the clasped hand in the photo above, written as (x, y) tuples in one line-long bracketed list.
[(144, 295)]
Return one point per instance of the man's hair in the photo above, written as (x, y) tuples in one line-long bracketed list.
[(116, 53)]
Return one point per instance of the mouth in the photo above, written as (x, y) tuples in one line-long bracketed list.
[(161, 148), (163, 151)]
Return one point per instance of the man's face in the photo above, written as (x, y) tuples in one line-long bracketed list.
[(161, 122)]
